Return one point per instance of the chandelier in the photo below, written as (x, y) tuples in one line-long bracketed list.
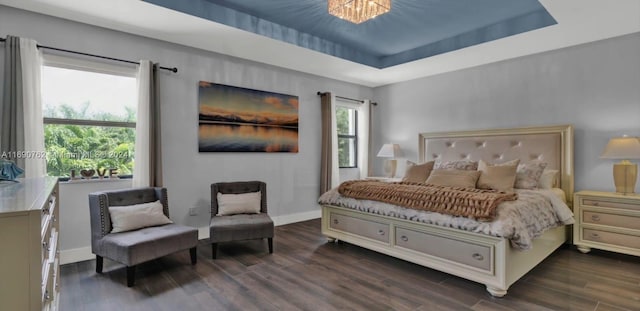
[(358, 11)]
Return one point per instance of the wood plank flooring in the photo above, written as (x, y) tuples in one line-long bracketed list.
[(307, 273)]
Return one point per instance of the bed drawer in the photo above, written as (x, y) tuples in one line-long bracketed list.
[(613, 220), (467, 253), (366, 228), (619, 239)]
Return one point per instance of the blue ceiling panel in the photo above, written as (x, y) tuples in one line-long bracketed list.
[(412, 30)]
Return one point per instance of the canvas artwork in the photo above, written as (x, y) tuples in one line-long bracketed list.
[(235, 119)]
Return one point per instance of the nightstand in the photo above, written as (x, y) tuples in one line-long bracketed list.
[(608, 221), (384, 179)]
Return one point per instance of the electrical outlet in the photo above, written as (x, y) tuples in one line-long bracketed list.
[(193, 211)]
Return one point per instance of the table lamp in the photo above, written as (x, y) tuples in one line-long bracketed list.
[(625, 173), (389, 151)]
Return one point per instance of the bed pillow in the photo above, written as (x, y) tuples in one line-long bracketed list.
[(528, 175), (242, 203), (454, 178), (418, 172), (548, 179), (137, 216), (456, 165), (499, 177)]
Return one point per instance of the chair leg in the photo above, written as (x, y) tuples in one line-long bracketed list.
[(194, 257), (98, 264), (131, 276), (214, 250), (270, 241)]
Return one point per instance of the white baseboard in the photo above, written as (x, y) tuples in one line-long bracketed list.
[(84, 253), (203, 233), (292, 218), (76, 255)]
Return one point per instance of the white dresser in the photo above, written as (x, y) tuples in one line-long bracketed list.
[(29, 260), (608, 221)]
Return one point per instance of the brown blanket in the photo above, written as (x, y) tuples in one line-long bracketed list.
[(474, 203)]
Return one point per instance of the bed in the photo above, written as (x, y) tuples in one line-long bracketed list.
[(490, 260)]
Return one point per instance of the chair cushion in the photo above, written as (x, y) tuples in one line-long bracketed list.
[(136, 216), (134, 247), (240, 227), (242, 203)]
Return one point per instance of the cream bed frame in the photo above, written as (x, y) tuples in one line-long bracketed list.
[(477, 257)]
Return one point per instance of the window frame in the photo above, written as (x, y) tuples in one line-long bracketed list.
[(51, 60), (346, 136)]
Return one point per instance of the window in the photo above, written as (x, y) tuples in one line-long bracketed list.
[(346, 118), (89, 114)]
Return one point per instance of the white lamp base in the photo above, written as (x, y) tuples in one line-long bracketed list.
[(625, 175), (390, 168)]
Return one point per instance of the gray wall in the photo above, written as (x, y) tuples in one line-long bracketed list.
[(595, 87), (292, 179)]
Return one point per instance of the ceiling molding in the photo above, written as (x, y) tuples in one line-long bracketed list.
[(579, 21)]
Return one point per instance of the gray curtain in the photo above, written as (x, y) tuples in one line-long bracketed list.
[(12, 112), (155, 141), (326, 154)]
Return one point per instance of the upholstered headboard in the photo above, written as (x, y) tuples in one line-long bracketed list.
[(551, 144)]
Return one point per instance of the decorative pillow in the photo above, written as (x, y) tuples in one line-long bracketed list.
[(137, 216), (549, 179), (243, 203), (456, 165), (418, 172), (528, 175), (454, 178), (499, 177)]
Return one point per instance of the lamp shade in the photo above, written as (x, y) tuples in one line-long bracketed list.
[(622, 148), (389, 151)]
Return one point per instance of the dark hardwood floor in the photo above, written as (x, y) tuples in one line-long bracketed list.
[(307, 273)]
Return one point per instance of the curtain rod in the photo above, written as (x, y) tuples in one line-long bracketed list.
[(173, 69), (347, 98)]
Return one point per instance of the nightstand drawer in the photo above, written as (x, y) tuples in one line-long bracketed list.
[(619, 239), (621, 221), (609, 204)]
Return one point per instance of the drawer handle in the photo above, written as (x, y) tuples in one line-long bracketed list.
[(477, 256), (595, 235), (596, 203), (45, 245), (595, 217), (404, 238), (381, 232), (45, 210), (335, 222), (47, 296)]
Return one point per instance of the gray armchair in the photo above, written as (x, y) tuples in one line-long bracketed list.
[(239, 226), (137, 246)]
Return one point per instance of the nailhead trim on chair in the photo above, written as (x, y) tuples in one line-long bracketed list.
[(103, 207)]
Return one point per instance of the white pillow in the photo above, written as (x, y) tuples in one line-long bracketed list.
[(548, 180), (243, 203), (131, 217)]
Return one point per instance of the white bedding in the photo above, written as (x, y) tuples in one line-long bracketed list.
[(519, 221)]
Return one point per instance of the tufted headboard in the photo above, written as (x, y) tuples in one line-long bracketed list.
[(551, 144)]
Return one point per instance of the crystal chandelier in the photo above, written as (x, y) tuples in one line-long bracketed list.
[(358, 11)]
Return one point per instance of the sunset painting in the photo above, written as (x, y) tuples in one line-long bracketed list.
[(235, 119)]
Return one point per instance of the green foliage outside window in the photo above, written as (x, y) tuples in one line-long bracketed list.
[(345, 121), (81, 147)]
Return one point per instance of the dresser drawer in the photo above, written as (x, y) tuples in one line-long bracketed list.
[(621, 221), (463, 252), (606, 203), (370, 229), (619, 239)]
